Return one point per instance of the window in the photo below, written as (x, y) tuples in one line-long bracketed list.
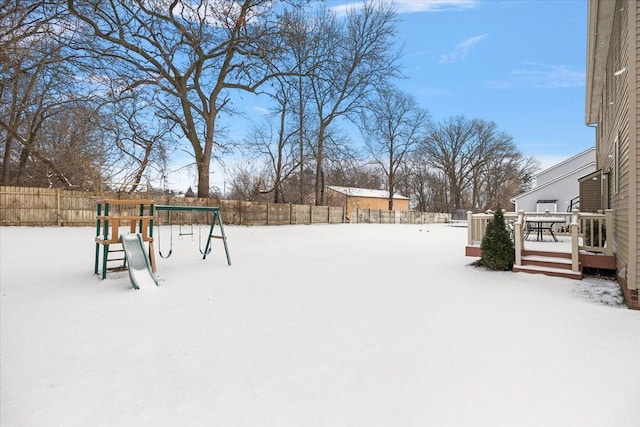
[(547, 205)]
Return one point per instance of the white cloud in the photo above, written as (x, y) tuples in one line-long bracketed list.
[(535, 75), (549, 76), (410, 6), (413, 6), (261, 110), (462, 49), (342, 9)]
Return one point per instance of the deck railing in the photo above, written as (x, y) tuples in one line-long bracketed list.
[(588, 231)]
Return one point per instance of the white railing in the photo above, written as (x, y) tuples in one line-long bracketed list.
[(477, 225), (588, 231)]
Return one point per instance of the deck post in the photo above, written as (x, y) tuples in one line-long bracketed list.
[(469, 228), (517, 240), (608, 221), (517, 237), (575, 264)]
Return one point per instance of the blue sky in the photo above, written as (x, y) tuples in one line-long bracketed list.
[(518, 63)]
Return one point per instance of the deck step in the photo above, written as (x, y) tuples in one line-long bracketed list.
[(547, 261), (548, 271), (528, 252)]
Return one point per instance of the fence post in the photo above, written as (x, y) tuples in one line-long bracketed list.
[(58, 210)]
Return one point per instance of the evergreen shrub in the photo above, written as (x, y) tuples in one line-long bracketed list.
[(498, 251)]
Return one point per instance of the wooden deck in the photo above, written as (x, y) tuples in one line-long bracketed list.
[(550, 257)]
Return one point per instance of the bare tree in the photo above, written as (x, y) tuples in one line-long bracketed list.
[(44, 108), (141, 140), (246, 183), (479, 165), (299, 33), (357, 55), (504, 176), (351, 172), (193, 53), (278, 147), (281, 141), (394, 125), (449, 149), (425, 186)]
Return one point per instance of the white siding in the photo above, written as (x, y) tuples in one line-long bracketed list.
[(562, 189), (563, 168)]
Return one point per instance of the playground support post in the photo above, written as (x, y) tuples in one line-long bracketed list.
[(215, 217), (108, 230)]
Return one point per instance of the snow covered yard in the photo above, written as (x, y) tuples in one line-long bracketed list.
[(326, 325)]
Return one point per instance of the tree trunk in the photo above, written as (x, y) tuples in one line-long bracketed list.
[(301, 131), (6, 161), (392, 178), (319, 190), (203, 178)]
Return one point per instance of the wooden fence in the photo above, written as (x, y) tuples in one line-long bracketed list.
[(380, 216), (28, 206)]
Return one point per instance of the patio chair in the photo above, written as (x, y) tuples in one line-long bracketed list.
[(529, 228)]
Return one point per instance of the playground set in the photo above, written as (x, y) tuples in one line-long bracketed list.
[(123, 227)]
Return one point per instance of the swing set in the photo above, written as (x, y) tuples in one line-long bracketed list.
[(188, 229), (138, 216)]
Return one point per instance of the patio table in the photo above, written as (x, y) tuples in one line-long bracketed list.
[(542, 223)]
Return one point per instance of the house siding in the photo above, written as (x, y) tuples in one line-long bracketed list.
[(612, 102), (591, 192), (374, 203), (350, 203), (634, 103), (562, 189), (554, 172), (559, 182), (615, 126)]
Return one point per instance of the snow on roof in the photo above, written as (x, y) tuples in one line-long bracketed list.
[(364, 192)]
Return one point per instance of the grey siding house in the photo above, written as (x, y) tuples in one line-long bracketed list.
[(556, 189), (613, 108)]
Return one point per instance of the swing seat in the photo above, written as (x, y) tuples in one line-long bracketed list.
[(165, 256), (207, 236)]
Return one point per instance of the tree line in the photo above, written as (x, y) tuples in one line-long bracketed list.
[(96, 91)]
